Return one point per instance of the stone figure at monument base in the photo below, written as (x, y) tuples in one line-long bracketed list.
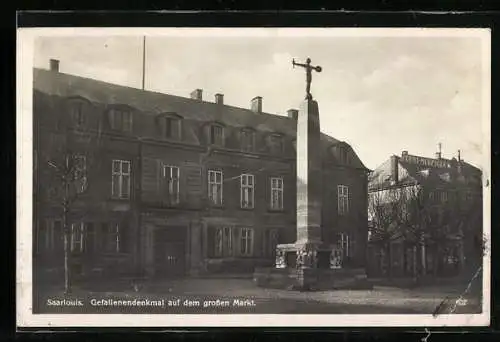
[(309, 263)]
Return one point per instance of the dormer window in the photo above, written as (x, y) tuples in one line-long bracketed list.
[(170, 126), (342, 154), (276, 143), (247, 140), (216, 135), (120, 119), (77, 113)]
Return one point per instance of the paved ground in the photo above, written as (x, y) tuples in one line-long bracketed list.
[(380, 300)]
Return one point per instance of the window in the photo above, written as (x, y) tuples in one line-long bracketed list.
[(344, 244), (215, 187), (112, 238), (247, 191), (80, 172), (50, 236), (77, 113), (270, 242), (171, 174), (91, 238), (121, 119), (217, 135), (343, 155), (77, 233), (343, 199), (443, 196), (120, 179), (469, 196), (223, 241), (247, 140), (170, 127), (246, 241), (431, 195), (276, 193), (276, 143)]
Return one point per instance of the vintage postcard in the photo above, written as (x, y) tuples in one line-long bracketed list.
[(253, 177)]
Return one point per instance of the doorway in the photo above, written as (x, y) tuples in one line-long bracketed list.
[(170, 252)]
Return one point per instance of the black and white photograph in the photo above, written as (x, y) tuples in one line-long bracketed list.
[(255, 177)]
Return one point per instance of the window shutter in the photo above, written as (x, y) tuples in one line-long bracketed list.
[(183, 185), (159, 180)]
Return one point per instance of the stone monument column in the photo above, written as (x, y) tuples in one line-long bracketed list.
[(309, 187)]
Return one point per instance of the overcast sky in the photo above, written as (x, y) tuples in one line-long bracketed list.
[(382, 95)]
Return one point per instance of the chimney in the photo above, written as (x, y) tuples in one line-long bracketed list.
[(394, 169), (438, 154), (293, 113), (256, 104), (197, 94), (404, 154), (219, 99), (54, 65), (458, 157)]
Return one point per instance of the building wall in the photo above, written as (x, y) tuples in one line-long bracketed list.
[(442, 252), (183, 233)]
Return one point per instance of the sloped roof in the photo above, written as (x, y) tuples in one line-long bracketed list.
[(149, 102), (411, 173)]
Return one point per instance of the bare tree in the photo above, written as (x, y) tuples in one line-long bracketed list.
[(69, 156), (384, 211)]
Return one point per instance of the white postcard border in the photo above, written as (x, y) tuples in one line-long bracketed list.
[(24, 158)]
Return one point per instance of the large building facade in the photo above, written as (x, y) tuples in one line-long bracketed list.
[(425, 217), (176, 186)]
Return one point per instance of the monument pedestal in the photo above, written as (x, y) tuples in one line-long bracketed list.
[(309, 263)]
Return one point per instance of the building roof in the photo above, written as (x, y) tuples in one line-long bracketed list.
[(148, 102), (436, 173)]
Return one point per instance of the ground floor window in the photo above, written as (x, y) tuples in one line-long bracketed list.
[(77, 236), (246, 241), (112, 237), (269, 242), (223, 241), (345, 243), (50, 236)]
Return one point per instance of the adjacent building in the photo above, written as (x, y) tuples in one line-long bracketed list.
[(176, 186), (425, 216)]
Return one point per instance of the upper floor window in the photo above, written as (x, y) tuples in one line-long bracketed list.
[(247, 140), (172, 175), (78, 113), (170, 127), (120, 187), (223, 241), (215, 187), (343, 199), (247, 191), (120, 119), (246, 241), (216, 135), (276, 193), (80, 172), (276, 143)]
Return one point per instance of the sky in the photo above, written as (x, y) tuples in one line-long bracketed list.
[(380, 94)]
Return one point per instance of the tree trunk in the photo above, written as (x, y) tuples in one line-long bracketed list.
[(414, 260), (389, 260), (423, 259), (67, 275)]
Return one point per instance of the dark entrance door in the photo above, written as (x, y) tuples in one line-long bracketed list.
[(169, 252)]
